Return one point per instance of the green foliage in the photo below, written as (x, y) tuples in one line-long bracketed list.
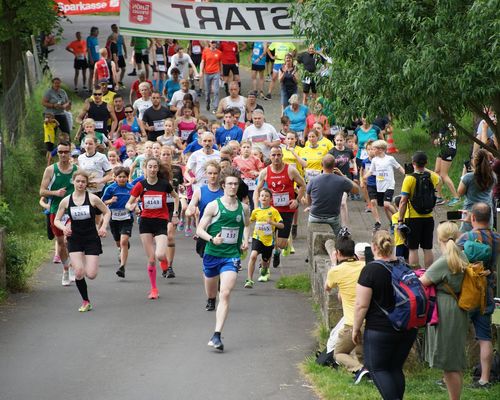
[(6, 215), (420, 385), (407, 57), (20, 19), (299, 282)]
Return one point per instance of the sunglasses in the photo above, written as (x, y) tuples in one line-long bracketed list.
[(63, 151), (129, 111), (97, 94)]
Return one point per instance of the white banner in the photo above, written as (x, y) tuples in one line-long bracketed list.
[(204, 21)]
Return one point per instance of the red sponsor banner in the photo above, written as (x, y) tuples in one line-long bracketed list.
[(77, 7)]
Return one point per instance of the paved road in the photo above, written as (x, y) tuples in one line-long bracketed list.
[(129, 347)]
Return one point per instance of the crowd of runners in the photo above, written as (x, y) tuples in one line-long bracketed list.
[(152, 157)]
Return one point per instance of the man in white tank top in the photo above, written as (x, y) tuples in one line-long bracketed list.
[(234, 100)]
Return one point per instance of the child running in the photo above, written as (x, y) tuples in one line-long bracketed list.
[(115, 197), (267, 219)]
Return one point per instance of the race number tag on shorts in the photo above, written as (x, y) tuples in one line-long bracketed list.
[(185, 135), (159, 125), (267, 229), (159, 57), (230, 235), (120, 214), (79, 213), (152, 202), (311, 173), (196, 49), (99, 124), (162, 68), (96, 48), (281, 199), (250, 183), (80, 57), (170, 199)]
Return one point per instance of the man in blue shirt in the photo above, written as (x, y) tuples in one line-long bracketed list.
[(93, 53), (228, 131), (122, 53)]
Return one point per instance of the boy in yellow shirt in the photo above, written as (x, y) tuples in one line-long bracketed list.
[(267, 219), (399, 241), (50, 125)]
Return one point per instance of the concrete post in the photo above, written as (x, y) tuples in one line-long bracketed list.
[(3, 266)]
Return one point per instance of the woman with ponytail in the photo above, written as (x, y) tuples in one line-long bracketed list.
[(445, 342), (385, 349), (477, 186)]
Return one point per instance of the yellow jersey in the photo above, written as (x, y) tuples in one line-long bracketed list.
[(263, 230), (323, 142), (289, 158), (313, 156), (408, 188)]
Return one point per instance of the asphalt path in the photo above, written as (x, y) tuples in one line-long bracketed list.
[(130, 347)]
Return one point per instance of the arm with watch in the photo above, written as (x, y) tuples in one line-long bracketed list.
[(175, 213), (210, 211)]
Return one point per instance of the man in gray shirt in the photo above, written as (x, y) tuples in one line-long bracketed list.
[(324, 194)]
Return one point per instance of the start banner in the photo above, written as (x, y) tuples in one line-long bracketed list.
[(180, 19), (76, 7)]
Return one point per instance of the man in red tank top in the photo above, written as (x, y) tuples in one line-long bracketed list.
[(281, 179), (104, 69)]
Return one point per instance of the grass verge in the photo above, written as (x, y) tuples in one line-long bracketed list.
[(300, 283)]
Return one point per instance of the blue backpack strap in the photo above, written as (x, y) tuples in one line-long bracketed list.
[(380, 262)]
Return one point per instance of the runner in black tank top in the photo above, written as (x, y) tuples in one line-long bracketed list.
[(84, 243), (100, 114)]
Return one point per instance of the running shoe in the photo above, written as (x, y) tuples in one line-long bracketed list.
[(133, 73), (368, 210), (358, 375), (264, 275), (286, 251), (72, 276), (216, 343), (84, 87), (65, 278), (121, 272), (249, 284), (262, 95), (276, 259), (268, 96), (440, 201), (56, 259), (76, 90), (210, 305), (294, 231), (453, 201), (292, 249), (344, 232), (170, 272), (268, 78), (377, 226), (479, 385), (188, 232), (153, 294), (180, 226), (86, 306)]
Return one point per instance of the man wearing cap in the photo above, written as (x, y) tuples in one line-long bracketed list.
[(172, 85), (344, 274), (251, 106), (234, 100), (107, 95), (421, 225), (210, 70)]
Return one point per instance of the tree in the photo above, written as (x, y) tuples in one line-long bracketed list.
[(408, 57), (19, 19)]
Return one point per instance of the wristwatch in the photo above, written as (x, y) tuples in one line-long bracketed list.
[(211, 240)]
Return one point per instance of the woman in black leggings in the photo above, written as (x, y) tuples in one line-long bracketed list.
[(385, 349)]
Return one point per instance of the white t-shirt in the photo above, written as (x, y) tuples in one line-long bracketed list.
[(182, 64), (240, 104), (383, 169), (179, 95), (97, 165), (266, 133), (142, 105), (196, 163)]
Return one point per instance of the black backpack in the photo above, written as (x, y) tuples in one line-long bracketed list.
[(424, 197)]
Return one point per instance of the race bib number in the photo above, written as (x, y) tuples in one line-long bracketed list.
[(185, 135), (281, 199), (120, 214), (196, 49), (159, 125), (145, 52), (250, 183), (159, 57), (99, 124), (256, 51), (265, 228), (170, 199), (230, 235), (96, 47), (79, 213), (363, 154), (152, 202), (80, 57), (162, 68), (311, 173)]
